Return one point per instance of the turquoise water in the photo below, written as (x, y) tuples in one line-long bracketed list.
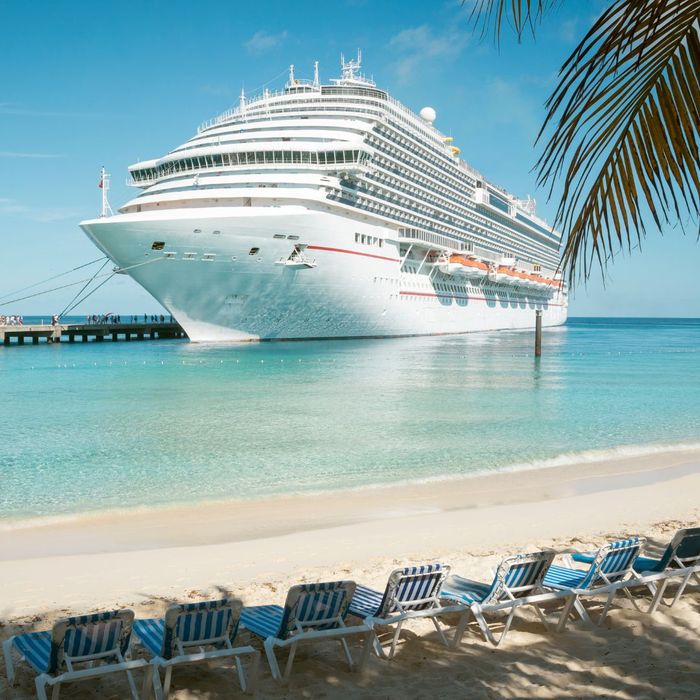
[(86, 427)]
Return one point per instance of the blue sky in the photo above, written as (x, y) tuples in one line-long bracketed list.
[(84, 84)]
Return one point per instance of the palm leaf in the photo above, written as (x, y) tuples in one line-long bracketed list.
[(520, 14), (625, 121)]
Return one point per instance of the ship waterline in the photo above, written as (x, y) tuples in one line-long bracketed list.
[(331, 211)]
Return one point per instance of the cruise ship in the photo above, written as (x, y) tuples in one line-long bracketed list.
[(331, 211)]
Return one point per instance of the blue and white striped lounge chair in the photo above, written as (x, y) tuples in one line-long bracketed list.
[(193, 633), (97, 643), (516, 582), (610, 570), (312, 612), (677, 561), (411, 592)]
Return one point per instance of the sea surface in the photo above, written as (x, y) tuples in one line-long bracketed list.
[(88, 427)]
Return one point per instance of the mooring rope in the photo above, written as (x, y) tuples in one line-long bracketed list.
[(75, 284), (85, 286), (48, 279)]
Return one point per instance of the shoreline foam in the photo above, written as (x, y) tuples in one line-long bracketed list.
[(564, 460)]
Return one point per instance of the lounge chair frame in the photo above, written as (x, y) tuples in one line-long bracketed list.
[(506, 598), (176, 652), (613, 580), (396, 607), (116, 655), (295, 629)]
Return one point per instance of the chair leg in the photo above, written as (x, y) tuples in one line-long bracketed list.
[(366, 649), (167, 682), (272, 659), (440, 632), (132, 685), (157, 687), (583, 613), (147, 687), (461, 628), (392, 649), (290, 661), (56, 692), (566, 612), (658, 593), (680, 590), (252, 685), (40, 683), (9, 664), (348, 655)]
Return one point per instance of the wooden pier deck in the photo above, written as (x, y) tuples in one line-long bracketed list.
[(69, 332)]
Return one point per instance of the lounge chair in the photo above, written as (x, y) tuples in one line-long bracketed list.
[(193, 633), (99, 643), (609, 571), (677, 560), (411, 592), (312, 612), (517, 582)]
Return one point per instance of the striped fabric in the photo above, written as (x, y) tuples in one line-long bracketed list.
[(204, 622), (518, 575), (412, 583), (36, 649), (313, 606), (80, 636), (464, 590), (150, 633), (614, 560), (263, 620)]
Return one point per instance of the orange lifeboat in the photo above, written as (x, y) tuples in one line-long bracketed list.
[(464, 266)]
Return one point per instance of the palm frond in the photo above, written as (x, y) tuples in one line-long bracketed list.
[(490, 15), (626, 121)]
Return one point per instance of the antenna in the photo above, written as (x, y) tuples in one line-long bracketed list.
[(104, 186), (316, 80), (291, 74), (242, 102)]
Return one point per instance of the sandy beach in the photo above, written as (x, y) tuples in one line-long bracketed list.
[(257, 549)]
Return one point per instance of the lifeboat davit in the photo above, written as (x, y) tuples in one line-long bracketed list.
[(464, 266)]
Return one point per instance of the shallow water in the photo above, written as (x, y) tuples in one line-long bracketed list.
[(94, 426)]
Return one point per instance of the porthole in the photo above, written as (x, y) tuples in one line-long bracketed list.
[(279, 235), (292, 238), (254, 251), (234, 258), (216, 233), (197, 230)]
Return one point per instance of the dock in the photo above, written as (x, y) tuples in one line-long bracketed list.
[(84, 332)]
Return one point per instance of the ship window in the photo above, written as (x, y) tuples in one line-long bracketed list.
[(293, 238), (287, 156), (158, 245), (357, 238), (279, 235), (269, 157), (254, 251)]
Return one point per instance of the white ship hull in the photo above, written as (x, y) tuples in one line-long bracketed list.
[(218, 291)]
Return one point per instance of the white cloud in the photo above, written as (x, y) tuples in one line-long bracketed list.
[(19, 154), (263, 41), (417, 45), (11, 207)]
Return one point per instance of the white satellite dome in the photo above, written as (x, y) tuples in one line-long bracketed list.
[(428, 114)]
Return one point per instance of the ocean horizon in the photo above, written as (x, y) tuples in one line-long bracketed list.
[(90, 427)]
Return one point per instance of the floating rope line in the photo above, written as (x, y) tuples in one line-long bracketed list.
[(48, 279)]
